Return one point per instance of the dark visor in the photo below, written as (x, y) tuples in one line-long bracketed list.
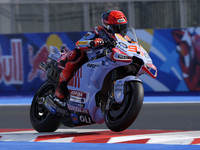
[(120, 28)]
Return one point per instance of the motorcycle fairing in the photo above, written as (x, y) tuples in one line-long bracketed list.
[(93, 74), (127, 49), (119, 87)]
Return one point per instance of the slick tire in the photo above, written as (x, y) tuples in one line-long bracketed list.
[(41, 119), (121, 118)]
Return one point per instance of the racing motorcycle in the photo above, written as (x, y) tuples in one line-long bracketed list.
[(105, 89)]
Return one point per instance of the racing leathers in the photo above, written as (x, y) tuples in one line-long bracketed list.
[(70, 62)]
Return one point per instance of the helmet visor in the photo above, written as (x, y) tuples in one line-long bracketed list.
[(120, 28)]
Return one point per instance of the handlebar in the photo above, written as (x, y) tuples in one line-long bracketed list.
[(107, 43)]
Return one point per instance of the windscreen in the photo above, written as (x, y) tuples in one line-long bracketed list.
[(131, 34)]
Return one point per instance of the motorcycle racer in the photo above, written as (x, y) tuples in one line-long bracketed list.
[(113, 21)]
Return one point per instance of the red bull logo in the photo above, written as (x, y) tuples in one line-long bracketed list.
[(42, 55), (34, 61), (11, 68)]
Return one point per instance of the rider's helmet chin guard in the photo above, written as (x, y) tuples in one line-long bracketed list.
[(114, 21)]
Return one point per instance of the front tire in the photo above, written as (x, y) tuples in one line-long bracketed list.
[(120, 117), (41, 119)]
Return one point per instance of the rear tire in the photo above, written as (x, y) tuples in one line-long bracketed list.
[(121, 117), (41, 119)]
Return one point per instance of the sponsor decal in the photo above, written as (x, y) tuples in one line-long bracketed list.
[(123, 57), (78, 109), (74, 118), (121, 48), (92, 65), (82, 43), (77, 93), (121, 20), (123, 45), (76, 104), (77, 96), (85, 119)]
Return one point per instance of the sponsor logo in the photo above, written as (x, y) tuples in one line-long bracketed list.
[(77, 99), (91, 65), (11, 67), (82, 43), (123, 45), (77, 96), (123, 57), (121, 20), (77, 93), (74, 118), (34, 60), (76, 104), (121, 48), (78, 109), (85, 119)]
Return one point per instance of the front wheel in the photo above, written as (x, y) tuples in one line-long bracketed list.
[(41, 119), (121, 116)]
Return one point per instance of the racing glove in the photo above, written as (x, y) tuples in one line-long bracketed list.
[(96, 42)]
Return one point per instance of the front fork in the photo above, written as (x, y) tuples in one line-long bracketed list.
[(111, 95), (120, 89)]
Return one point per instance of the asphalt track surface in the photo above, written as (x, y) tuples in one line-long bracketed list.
[(160, 116), (168, 126)]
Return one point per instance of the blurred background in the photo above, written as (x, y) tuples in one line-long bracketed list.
[(168, 29), (29, 16)]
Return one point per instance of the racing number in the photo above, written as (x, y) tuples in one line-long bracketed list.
[(133, 48)]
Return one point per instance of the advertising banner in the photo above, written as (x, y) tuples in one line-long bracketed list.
[(175, 53)]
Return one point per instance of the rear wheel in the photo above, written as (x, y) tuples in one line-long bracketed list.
[(120, 116), (41, 119)]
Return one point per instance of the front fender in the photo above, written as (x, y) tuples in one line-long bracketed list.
[(119, 88)]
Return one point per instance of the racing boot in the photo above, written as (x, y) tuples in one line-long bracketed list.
[(61, 95)]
